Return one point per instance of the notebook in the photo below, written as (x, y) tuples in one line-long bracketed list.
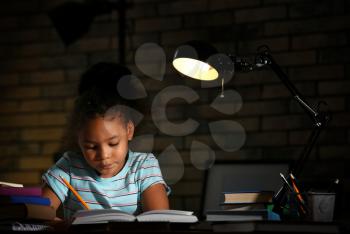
[(24, 191), (24, 199)]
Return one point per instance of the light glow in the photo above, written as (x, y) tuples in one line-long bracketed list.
[(195, 69)]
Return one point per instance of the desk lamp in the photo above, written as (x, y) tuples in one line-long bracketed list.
[(194, 59)]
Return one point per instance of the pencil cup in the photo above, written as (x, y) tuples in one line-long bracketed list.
[(321, 206), (290, 207)]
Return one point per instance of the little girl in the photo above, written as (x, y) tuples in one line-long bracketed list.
[(99, 165)]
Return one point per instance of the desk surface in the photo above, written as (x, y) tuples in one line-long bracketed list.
[(201, 227)]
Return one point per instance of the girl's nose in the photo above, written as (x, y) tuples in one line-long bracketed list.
[(104, 153)]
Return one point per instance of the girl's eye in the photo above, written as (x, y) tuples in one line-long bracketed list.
[(90, 147), (114, 144)]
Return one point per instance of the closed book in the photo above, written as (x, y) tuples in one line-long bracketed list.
[(26, 211), (25, 199), (243, 206), (248, 197), (26, 191), (236, 215), (110, 215)]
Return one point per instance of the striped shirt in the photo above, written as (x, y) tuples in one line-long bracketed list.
[(122, 191)]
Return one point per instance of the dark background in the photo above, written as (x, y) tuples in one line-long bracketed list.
[(309, 39)]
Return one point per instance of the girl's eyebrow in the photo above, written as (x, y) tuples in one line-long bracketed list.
[(111, 138)]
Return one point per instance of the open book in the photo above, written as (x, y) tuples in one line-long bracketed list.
[(109, 215)]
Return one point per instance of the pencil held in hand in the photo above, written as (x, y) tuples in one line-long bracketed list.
[(76, 194)]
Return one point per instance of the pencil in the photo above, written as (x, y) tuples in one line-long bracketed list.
[(76, 194), (295, 187), (297, 192)]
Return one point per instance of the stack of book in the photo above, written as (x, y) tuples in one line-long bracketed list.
[(243, 206), (24, 203)]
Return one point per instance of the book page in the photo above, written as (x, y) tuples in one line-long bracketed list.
[(170, 212), (8, 184), (109, 215), (102, 216), (172, 216), (99, 212)]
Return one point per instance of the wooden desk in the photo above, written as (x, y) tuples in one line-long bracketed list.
[(276, 227), (223, 227), (201, 227)]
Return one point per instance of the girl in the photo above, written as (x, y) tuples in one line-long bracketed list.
[(100, 165)]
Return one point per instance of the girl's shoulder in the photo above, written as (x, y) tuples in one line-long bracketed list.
[(141, 158)]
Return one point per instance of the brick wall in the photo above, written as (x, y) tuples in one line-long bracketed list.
[(309, 39)]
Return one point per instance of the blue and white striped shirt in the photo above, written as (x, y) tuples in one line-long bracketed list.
[(122, 191)]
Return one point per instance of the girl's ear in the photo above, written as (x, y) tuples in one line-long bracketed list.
[(130, 127)]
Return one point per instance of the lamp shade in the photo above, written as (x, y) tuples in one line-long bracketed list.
[(193, 59)]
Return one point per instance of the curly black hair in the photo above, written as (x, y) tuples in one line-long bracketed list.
[(98, 95)]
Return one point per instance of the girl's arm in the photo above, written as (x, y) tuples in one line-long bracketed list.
[(155, 198), (55, 201)]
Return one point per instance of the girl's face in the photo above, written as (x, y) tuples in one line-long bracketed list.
[(104, 143)]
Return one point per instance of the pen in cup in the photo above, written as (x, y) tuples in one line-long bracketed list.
[(76, 194), (286, 182), (292, 189), (301, 200)]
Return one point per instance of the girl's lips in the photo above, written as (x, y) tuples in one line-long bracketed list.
[(108, 166)]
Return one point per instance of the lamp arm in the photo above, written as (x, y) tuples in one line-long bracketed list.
[(265, 58), (320, 118)]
